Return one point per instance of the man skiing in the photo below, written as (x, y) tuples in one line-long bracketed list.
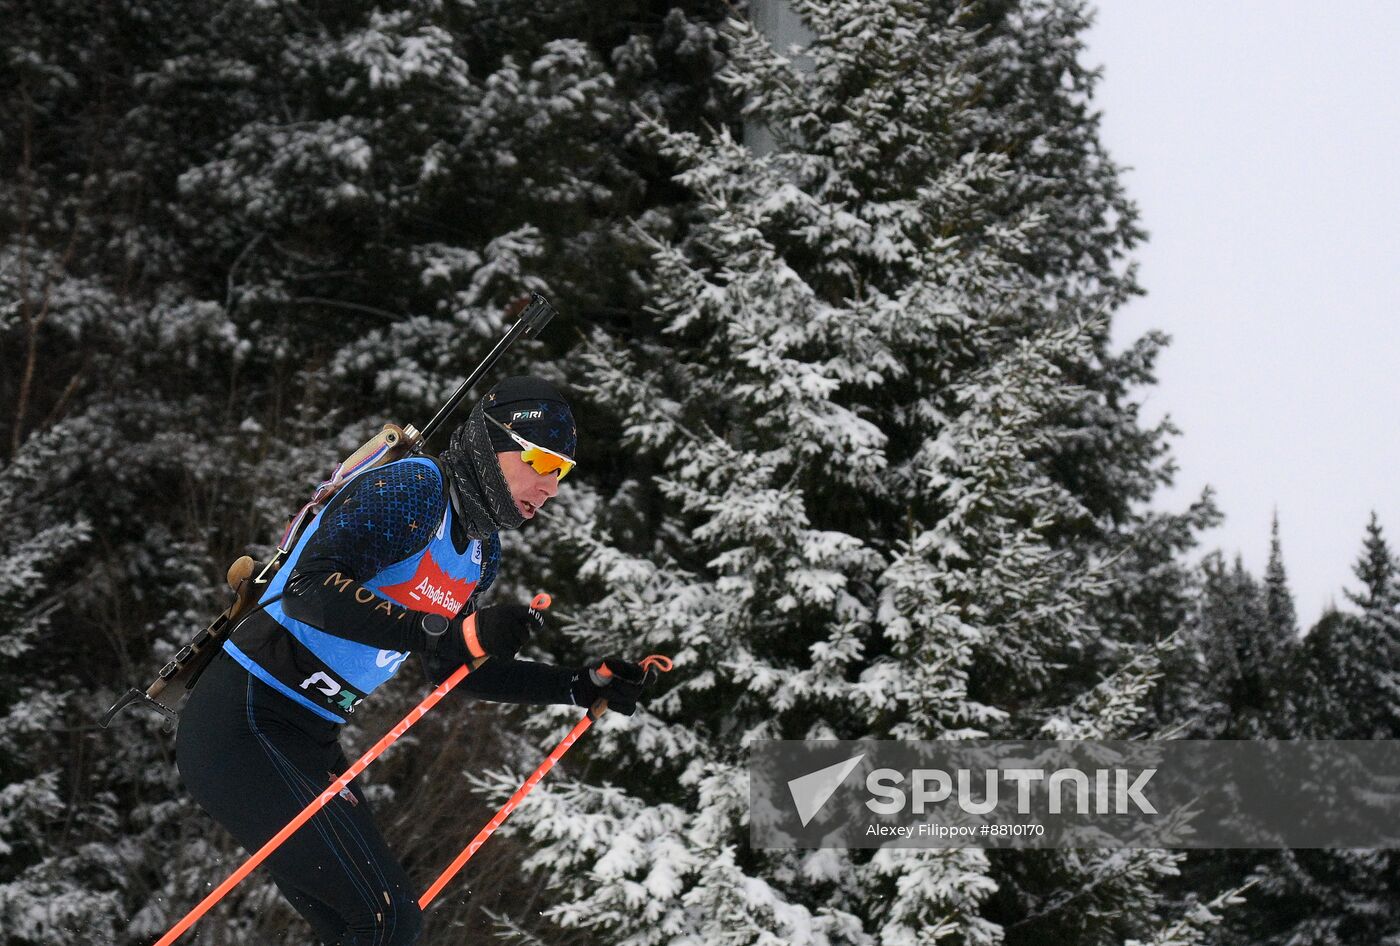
[(394, 564)]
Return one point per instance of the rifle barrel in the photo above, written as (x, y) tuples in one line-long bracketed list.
[(532, 320)]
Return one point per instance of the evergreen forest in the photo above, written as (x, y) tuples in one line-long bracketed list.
[(856, 450)]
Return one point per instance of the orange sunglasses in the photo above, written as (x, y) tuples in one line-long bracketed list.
[(541, 459)]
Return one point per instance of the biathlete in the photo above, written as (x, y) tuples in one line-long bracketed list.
[(394, 564)]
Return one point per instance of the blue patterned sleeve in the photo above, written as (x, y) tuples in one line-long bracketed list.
[(383, 517)]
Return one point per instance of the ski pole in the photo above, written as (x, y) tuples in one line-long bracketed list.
[(539, 603), (318, 803), (652, 664)]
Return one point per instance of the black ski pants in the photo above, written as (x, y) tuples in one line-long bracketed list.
[(253, 759)]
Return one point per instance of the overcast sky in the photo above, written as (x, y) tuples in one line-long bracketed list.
[(1264, 145)]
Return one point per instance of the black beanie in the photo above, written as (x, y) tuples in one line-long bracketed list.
[(534, 409)]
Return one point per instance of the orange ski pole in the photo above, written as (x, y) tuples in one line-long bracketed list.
[(539, 603), (654, 662), (317, 804)]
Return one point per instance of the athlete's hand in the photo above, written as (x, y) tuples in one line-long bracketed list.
[(498, 631), (613, 679)]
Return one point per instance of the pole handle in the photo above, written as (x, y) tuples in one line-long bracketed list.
[(653, 664)]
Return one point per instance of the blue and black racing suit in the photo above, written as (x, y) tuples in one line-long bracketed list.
[(258, 738)]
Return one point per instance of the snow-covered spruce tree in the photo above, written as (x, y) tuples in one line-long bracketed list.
[(1376, 715), (488, 153), (883, 480), (1344, 675), (1243, 634), (1345, 686), (1327, 659), (80, 414), (1244, 664), (1246, 633), (1279, 612), (43, 891), (1330, 685), (226, 200)]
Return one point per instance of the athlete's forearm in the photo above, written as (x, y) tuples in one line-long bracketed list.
[(333, 602), (510, 680)]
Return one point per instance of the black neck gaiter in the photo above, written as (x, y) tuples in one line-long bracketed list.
[(480, 496)]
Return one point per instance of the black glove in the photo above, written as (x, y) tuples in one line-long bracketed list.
[(620, 688), (498, 631)]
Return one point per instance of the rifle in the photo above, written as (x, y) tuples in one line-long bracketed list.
[(248, 579)]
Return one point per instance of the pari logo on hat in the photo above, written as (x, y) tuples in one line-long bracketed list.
[(534, 409)]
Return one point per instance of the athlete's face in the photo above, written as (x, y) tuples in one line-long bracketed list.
[(529, 489)]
